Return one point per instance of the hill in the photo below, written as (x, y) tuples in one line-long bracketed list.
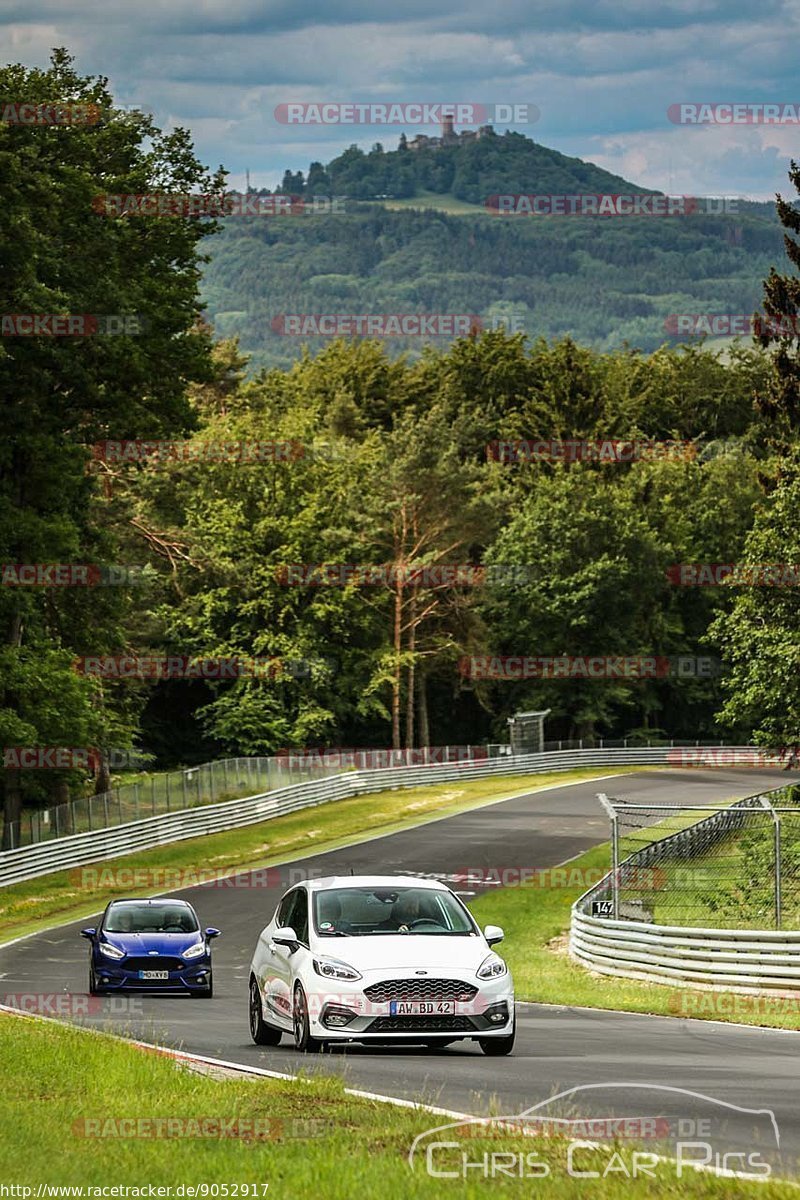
[(415, 236)]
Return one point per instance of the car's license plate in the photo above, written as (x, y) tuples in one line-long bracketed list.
[(422, 1008), (154, 974)]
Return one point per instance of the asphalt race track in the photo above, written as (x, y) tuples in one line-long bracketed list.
[(557, 1048)]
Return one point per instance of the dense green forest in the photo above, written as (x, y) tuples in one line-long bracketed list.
[(357, 456), (605, 281)]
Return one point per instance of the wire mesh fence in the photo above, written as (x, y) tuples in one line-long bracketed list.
[(730, 866), (211, 783)]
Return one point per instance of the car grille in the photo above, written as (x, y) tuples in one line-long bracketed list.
[(420, 989), (151, 963), (421, 1025)]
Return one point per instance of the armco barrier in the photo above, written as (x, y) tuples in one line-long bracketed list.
[(80, 849), (752, 961)]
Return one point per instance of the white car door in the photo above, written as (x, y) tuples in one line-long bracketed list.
[(292, 913), (268, 966)]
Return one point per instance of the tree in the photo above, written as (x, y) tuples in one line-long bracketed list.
[(761, 635), (60, 394), (781, 402)]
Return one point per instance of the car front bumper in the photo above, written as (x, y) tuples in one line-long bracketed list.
[(350, 1015), (113, 976)]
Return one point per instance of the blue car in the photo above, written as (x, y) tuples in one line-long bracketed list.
[(150, 945)]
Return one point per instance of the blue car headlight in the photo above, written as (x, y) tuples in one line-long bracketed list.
[(110, 951), (194, 951)]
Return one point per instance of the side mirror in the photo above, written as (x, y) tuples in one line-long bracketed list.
[(493, 934), (211, 932), (88, 933), (286, 937)]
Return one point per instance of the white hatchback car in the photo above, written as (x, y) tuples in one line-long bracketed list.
[(379, 959)]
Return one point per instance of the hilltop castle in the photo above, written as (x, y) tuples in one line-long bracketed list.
[(449, 136)]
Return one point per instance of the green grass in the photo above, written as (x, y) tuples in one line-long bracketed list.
[(536, 925), (436, 201), (70, 895), (59, 1083)]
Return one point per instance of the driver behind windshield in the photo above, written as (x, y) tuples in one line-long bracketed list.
[(409, 908)]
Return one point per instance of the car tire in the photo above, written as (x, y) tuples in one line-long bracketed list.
[(94, 990), (207, 992), (261, 1033), (495, 1047), (303, 1041)]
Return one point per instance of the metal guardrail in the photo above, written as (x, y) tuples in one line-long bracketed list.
[(29, 862), (753, 961), (210, 783)]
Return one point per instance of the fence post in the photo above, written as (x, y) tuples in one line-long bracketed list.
[(612, 815), (776, 831), (778, 872), (183, 782)]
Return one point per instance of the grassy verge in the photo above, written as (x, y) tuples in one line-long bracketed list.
[(61, 1126), (536, 924), (70, 895)]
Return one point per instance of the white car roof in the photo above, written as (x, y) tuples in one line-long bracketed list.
[(384, 881)]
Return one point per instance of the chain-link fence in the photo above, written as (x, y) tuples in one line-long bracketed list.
[(212, 783), (730, 866)]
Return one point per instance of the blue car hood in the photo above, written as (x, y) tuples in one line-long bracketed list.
[(145, 943)]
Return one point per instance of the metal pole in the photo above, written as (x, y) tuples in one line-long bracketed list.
[(778, 872), (612, 815)]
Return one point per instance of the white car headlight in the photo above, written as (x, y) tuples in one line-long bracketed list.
[(194, 951), (332, 968), (491, 968), (111, 951)]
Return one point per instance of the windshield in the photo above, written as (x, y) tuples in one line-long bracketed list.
[(150, 918), (368, 911)]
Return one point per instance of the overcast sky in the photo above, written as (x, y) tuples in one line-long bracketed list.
[(602, 74)]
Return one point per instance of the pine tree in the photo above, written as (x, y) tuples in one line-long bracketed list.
[(779, 327)]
